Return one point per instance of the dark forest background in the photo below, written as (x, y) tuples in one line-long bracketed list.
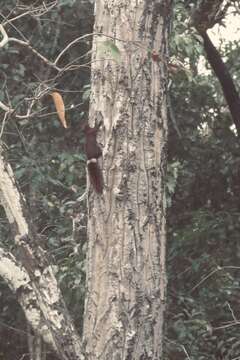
[(203, 182)]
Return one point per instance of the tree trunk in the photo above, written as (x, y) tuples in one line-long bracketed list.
[(31, 277), (125, 303)]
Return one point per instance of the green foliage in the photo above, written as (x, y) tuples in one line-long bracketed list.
[(171, 183), (108, 49), (203, 188), (204, 211), (48, 161)]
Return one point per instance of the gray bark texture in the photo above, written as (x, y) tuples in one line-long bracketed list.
[(31, 276), (126, 275), (124, 310)]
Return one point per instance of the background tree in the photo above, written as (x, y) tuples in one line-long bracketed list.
[(203, 214), (202, 182), (126, 256)]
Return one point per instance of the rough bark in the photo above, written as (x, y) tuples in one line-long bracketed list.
[(125, 303), (35, 283), (19, 282)]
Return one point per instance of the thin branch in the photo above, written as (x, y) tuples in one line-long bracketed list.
[(219, 268), (35, 12), (3, 124), (80, 38), (67, 67), (232, 312), (5, 39), (71, 44), (5, 107), (233, 323), (179, 345), (43, 58), (12, 25), (15, 18)]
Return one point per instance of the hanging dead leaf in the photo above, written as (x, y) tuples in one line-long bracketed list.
[(59, 104)]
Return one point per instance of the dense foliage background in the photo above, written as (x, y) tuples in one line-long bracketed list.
[(204, 213), (203, 181), (48, 161)]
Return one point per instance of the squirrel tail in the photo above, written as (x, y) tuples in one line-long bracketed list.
[(95, 175)]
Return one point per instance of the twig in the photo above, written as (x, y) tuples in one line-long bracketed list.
[(15, 18), (205, 278), (3, 124), (232, 312), (12, 25), (5, 36), (5, 107), (219, 268), (69, 45), (179, 345), (233, 323), (43, 58), (94, 34)]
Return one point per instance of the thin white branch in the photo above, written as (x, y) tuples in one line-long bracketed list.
[(15, 18), (5, 38), (3, 124), (68, 46), (34, 12), (11, 199), (81, 38), (5, 107), (43, 58), (211, 273)]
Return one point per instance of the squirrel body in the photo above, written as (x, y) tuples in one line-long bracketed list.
[(93, 153)]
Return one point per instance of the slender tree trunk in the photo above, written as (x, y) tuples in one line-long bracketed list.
[(126, 282), (31, 277)]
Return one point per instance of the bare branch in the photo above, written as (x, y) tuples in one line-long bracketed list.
[(43, 58), (3, 124), (69, 45), (211, 273), (68, 67), (5, 107), (5, 39), (80, 38), (34, 12), (16, 18)]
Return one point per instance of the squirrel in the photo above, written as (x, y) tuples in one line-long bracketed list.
[(93, 153)]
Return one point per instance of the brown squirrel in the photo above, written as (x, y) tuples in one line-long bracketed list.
[(93, 153)]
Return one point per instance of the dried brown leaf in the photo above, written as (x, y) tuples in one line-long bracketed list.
[(60, 107)]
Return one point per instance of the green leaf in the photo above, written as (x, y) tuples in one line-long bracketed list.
[(86, 94), (109, 48)]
